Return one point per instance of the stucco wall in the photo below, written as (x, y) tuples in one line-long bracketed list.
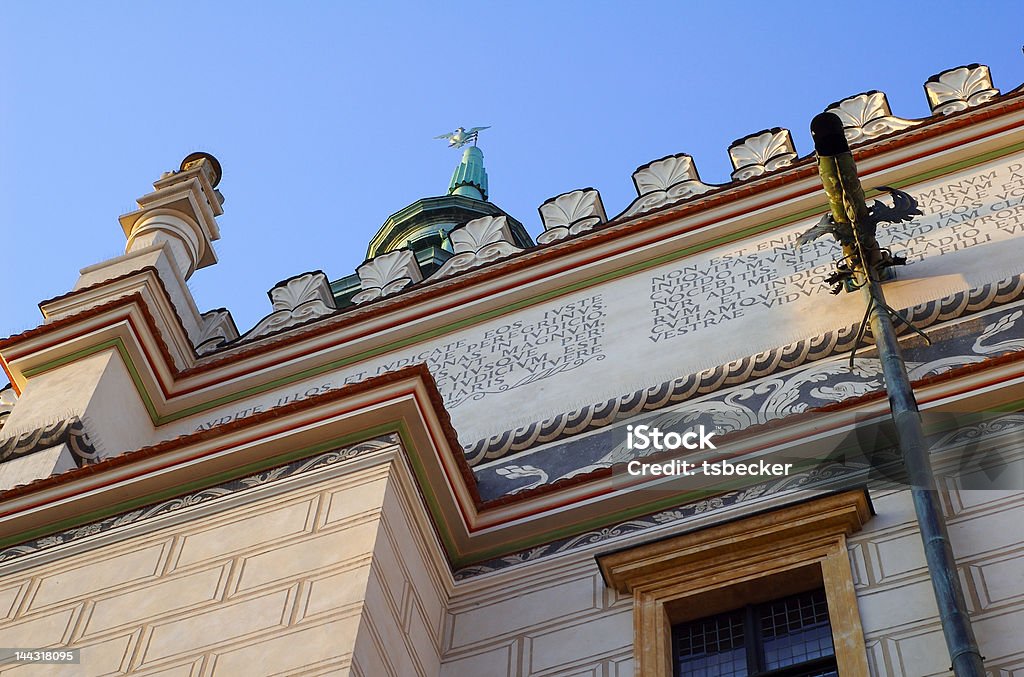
[(339, 573), (557, 618), (305, 578)]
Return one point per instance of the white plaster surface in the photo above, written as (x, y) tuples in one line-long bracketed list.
[(271, 583), (99, 390), (160, 256)]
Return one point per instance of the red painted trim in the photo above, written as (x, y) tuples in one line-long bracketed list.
[(471, 485), (186, 459), (122, 302), (413, 371), (928, 128)]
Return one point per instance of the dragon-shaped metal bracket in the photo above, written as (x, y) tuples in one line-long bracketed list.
[(904, 208)]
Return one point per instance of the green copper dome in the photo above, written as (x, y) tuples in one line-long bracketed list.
[(424, 225)]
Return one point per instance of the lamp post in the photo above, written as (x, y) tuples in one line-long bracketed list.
[(853, 224)]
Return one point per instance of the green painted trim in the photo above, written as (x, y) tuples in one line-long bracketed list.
[(399, 427), (1010, 407), (851, 447), (503, 310), (412, 454), (426, 491), (963, 164)]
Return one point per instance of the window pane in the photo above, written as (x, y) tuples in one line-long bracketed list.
[(712, 647), (796, 629)]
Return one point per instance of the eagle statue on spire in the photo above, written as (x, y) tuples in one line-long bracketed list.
[(462, 136)]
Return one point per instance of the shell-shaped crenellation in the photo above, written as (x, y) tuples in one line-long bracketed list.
[(570, 213), (478, 242), (387, 274), (218, 328), (960, 88), (761, 152), (665, 181), (297, 300), (295, 291), (473, 236), (866, 116), (663, 174)]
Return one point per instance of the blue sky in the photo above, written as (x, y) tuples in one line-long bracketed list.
[(323, 114)]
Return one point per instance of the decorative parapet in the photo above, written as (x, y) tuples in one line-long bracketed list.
[(387, 274), (761, 153), (868, 115), (218, 328), (665, 181), (960, 88), (182, 212), (70, 431), (296, 300), (571, 213), (480, 241)]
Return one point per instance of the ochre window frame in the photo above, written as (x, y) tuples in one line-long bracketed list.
[(751, 559)]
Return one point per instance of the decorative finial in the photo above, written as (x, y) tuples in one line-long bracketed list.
[(193, 159), (470, 178), (462, 136), (181, 212)]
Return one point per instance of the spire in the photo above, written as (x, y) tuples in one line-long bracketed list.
[(423, 227), (470, 177)]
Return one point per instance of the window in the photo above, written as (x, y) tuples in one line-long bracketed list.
[(767, 595), (789, 637)]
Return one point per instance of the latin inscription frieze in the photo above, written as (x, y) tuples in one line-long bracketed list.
[(484, 362), (970, 211)]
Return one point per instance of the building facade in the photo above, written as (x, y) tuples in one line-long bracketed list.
[(435, 466)]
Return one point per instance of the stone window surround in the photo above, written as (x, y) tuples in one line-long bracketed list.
[(747, 560)]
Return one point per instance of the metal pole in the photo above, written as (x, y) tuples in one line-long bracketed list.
[(846, 199)]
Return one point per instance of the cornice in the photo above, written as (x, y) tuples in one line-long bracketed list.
[(407, 402), (843, 513)]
